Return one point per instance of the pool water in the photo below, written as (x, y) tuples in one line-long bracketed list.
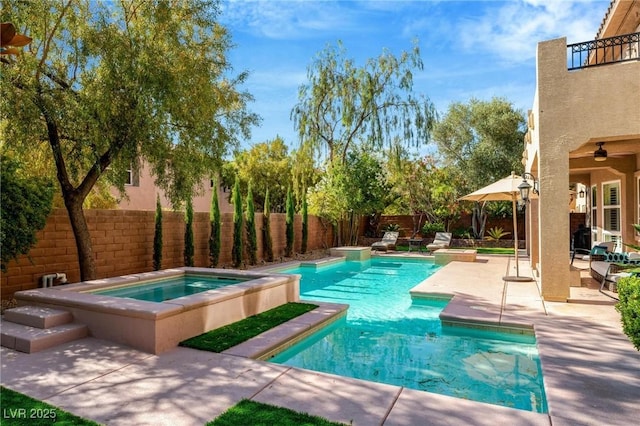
[(171, 288), (387, 337)]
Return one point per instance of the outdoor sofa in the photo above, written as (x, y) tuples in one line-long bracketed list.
[(609, 267)]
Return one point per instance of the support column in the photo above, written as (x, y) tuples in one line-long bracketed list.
[(554, 222)]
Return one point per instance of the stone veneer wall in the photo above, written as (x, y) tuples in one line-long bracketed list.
[(123, 244)]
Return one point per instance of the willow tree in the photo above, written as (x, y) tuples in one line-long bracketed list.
[(108, 86), (344, 108), (342, 104)]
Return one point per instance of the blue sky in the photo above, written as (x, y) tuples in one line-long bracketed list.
[(470, 49)]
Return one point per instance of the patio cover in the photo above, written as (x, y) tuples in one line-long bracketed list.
[(505, 189)]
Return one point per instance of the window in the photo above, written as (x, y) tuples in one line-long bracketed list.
[(131, 178), (611, 211), (594, 214)]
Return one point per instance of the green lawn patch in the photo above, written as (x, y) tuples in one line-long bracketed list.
[(481, 250), (223, 338), (494, 250), (20, 409), (253, 413)]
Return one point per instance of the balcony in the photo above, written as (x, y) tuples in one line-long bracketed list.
[(622, 48)]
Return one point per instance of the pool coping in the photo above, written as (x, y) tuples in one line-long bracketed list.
[(275, 340), (155, 327), (590, 370)]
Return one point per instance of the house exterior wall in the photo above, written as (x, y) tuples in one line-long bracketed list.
[(123, 244), (141, 195), (571, 109)]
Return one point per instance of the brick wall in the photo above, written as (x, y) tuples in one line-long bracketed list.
[(123, 244)]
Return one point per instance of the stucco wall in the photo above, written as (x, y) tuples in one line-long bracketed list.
[(142, 195), (123, 244), (571, 109)]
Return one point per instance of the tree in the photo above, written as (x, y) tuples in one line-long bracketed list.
[(288, 250), (189, 248), (215, 234), (108, 85), (252, 240), (342, 104), (482, 140), (349, 191), (157, 237), (266, 165), (236, 250), (266, 239), (25, 204), (305, 225)]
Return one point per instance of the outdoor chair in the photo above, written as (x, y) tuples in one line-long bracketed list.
[(388, 241), (442, 240)]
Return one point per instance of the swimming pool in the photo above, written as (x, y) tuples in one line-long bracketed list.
[(388, 337), (171, 288)]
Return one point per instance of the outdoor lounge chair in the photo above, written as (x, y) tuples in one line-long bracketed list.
[(388, 241), (442, 240)]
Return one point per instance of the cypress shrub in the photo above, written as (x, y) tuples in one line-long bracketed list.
[(189, 248), (266, 237), (215, 234), (236, 250), (305, 224), (252, 239), (629, 308), (288, 251), (157, 237)]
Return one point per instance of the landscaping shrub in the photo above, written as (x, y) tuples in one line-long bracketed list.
[(157, 237), (189, 247), (266, 240), (25, 204), (391, 227), (216, 223), (252, 240), (496, 233), (305, 225), (288, 251), (429, 229), (629, 308), (236, 250)]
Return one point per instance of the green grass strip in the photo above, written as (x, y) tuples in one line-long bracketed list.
[(494, 250), (481, 250), (253, 413), (223, 338), (19, 409)]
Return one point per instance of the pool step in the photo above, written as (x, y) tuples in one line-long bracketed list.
[(31, 329)]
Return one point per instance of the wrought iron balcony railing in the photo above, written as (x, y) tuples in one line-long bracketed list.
[(604, 51)]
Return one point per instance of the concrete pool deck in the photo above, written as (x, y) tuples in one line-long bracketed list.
[(591, 370)]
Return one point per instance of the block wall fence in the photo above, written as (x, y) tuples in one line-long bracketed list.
[(123, 244)]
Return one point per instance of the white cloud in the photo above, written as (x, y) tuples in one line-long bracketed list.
[(513, 30), (289, 19)]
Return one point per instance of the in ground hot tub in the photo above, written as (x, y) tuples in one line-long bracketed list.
[(209, 298)]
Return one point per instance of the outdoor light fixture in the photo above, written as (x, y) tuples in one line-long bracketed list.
[(581, 193), (525, 187), (600, 154)]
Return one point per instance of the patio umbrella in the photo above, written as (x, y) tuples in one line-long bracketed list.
[(505, 189)]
